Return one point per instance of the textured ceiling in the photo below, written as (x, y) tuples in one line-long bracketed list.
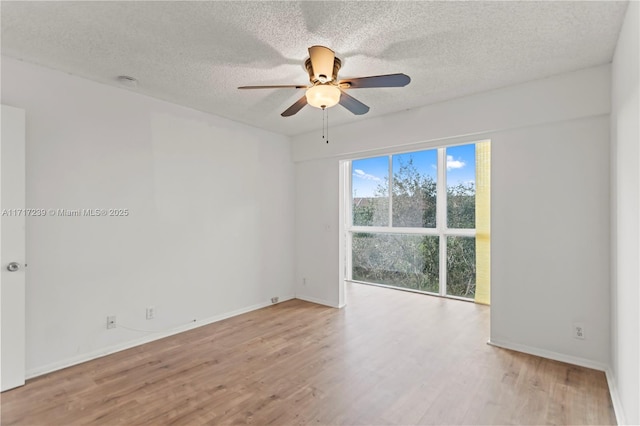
[(197, 53)]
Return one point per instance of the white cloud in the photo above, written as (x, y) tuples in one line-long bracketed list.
[(454, 164), (362, 175)]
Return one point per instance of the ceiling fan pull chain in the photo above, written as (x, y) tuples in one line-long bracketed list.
[(327, 125), (323, 123)]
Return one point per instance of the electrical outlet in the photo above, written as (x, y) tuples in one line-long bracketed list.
[(111, 322), (578, 331), (275, 299), (151, 312), (304, 282)]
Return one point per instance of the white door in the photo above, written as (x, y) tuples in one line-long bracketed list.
[(12, 248)]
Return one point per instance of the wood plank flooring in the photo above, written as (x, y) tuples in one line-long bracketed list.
[(388, 358)]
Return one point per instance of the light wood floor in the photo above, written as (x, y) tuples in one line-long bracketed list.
[(389, 357)]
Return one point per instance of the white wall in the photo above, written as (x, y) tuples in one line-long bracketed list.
[(550, 204), (209, 232), (562, 97), (317, 232), (625, 136), (550, 240)]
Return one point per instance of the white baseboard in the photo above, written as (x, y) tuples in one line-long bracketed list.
[(68, 362), (569, 359), (317, 301), (615, 397)]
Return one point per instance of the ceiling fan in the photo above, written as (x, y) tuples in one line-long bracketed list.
[(326, 90)]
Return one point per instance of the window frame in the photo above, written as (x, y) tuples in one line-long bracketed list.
[(441, 229)]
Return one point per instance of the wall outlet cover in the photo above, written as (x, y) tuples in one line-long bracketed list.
[(578, 331), (111, 322)]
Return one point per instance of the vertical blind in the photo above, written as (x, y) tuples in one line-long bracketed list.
[(483, 223)]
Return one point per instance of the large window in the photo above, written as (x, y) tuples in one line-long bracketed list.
[(413, 219)]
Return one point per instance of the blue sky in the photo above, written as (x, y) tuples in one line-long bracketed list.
[(368, 173), (461, 164)]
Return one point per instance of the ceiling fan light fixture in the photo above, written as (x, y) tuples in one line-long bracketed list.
[(323, 96)]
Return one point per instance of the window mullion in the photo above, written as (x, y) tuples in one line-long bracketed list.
[(348, 210), (349, 260), (349, 205), (390, 191), (441, 218), (395, 230)]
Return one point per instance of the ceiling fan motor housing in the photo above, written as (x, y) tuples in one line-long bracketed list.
[(337, 63)]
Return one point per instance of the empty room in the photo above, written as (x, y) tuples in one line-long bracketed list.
[(305, 212)]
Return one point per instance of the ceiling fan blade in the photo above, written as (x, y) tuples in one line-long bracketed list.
[(352, 104), (291, 86), (295, 107), (322, 59), (389, 80)]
